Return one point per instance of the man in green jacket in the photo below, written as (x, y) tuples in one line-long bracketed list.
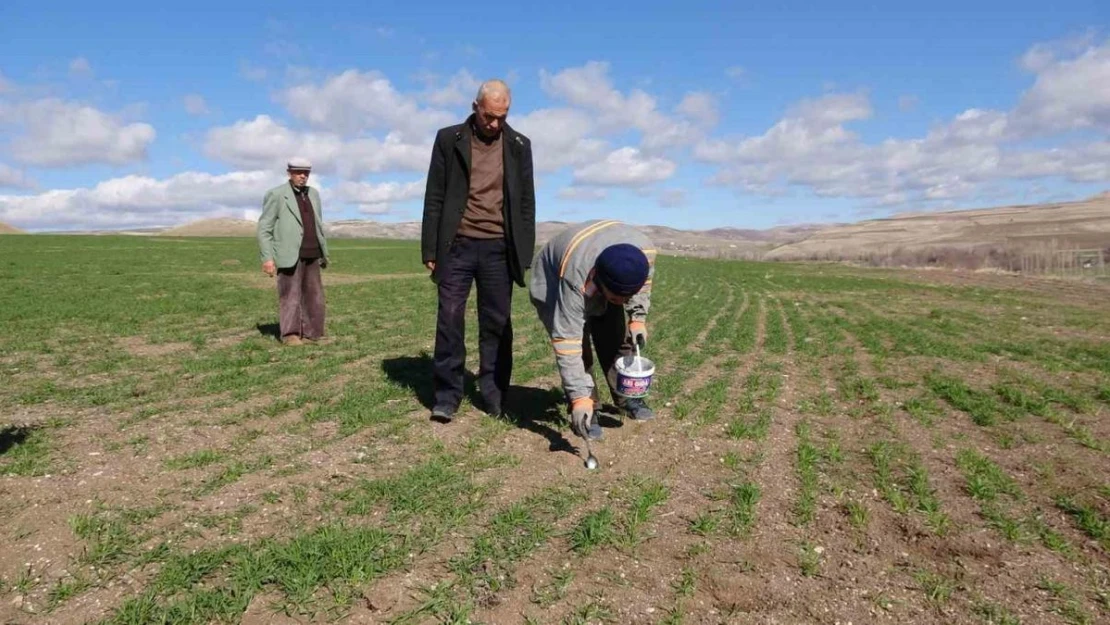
[(292, 245)]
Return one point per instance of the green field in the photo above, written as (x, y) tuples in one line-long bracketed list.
[(833, 445)]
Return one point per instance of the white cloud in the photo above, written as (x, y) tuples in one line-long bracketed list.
[(1069, 94), (968, 156), (355, 101), (582, 194), (135, 201), (735, 72), (560, 137), (908, 102), (459, 90), (5, 84), (377, 198), (626, 166), (589, 87), (263, 143), (13, 178), (195, 104), (80, 67), (56, 133), (700, 107), (252, 72)]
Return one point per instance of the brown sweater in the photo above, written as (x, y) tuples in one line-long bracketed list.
[(310, 244), (483, 218)]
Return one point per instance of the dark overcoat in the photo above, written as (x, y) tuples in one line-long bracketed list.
[(448, 187)]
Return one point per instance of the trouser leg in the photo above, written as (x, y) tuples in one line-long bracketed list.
[(450, 347), (312, 300), (495, 324), (290, 313), (609, 332)]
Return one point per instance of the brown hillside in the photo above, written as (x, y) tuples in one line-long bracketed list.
[(219, 227), (6, 229), (1083, 224)]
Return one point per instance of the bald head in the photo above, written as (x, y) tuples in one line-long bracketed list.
[(493, 89), (491, 107)]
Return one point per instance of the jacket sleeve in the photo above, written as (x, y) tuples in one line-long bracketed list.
[(528, 204), (639, 304), (434, 193), (567, 328), (265, 231)]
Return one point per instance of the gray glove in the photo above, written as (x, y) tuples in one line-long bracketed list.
[(580, 418)]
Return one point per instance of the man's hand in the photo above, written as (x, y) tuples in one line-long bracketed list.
[(638, 330), (580, 412), (431, 265), (269, 268)]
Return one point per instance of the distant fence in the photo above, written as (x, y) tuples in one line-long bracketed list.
[(1078, 262)]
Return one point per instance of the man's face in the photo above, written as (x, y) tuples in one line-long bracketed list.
[(490, 114), (298, 176), (612, 298)]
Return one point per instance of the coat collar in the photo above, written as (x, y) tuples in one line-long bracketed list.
[(291, 202), (510, 142)]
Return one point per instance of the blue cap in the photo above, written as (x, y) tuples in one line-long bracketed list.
[(622, 268)]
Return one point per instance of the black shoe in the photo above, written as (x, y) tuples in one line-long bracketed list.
[(637, 410), (443, 414), (493, 409)]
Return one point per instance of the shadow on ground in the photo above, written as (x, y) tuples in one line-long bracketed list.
[(537, 410), (271, 330), (11, 437)]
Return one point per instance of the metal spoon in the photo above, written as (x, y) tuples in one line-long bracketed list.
[(591, 461)]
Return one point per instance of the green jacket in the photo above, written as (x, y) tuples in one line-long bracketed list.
[(280, 230)]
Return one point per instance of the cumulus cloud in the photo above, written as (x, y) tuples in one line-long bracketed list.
[(560, 137), (1069, 94), (195, 104), (80, 68), (626, 166), (263, 143), (377, 198), (699, 107), (252, 72), (355, 101), (582, 194), (136, 201), (13, 178), (56, 133), (812, 146), (589, 88), (459, 89)]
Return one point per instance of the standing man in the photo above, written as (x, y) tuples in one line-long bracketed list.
[(479, 226), (292, 245), (592, 283)]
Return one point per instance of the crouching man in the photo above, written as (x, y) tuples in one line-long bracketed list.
[(592, 283)]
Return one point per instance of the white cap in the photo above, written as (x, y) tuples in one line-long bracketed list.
[(298, 162)]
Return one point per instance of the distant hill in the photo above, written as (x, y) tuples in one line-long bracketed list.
[(6, 229), (1082, 224), (219, 227)]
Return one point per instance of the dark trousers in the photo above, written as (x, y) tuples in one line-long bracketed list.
[(301, 299), (483, 261), (609, 334)]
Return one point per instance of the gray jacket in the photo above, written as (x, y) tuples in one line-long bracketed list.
[(563, 292)]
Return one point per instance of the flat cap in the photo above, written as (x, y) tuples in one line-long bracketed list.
[(298, 162)]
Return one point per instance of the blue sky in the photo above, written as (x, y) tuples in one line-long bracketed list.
[(692, 114)]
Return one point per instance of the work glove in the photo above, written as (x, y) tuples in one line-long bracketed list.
[(580, 412), (638, 331)]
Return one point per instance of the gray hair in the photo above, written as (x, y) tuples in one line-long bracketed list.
[(492, 87)]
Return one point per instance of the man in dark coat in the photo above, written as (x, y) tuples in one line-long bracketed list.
[(479, 226)]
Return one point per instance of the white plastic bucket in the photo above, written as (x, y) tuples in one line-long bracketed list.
[(633, 376)]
